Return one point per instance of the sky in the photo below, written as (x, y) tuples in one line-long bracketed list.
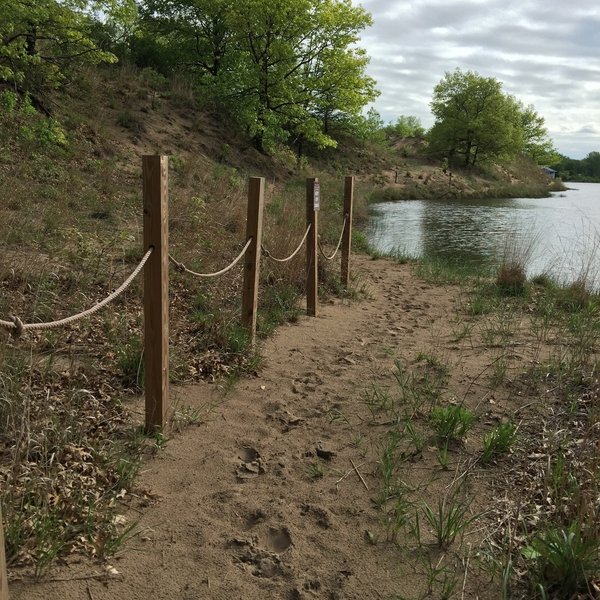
[(546, 53)]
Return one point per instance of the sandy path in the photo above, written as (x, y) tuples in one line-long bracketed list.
[(237, 513)]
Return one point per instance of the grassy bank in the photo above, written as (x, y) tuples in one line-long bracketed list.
[(510, 495)]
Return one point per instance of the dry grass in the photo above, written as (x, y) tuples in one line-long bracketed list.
[(71, 232)]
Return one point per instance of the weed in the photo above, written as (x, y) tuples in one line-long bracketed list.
[(449, 520), (443, 457), (451, 422), (498, 376), (416, 437), (316, 470), (441, 579), (398, 517), (377, 399), (129, 358), (129, 120), (511, 279), (185, 416), (498, 441), (564, 560), (334, 415)]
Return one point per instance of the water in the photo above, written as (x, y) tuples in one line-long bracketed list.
[(561, 234)]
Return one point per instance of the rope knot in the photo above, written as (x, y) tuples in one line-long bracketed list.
[(179, 266), (18, 326)]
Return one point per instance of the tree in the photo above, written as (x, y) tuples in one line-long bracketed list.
[(477, 121), (536, 143), (284, 69), (406, 126), (41, 39)]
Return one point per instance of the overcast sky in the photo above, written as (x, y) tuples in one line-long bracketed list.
[(546, 53)]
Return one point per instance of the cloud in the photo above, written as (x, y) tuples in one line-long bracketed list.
[(544, 54)]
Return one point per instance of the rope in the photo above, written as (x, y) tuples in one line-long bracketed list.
[(183, 269), (17, 327), (339, 243), (282, 260)]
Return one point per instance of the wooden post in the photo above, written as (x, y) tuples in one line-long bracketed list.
[(3, 577), (156, 291), (313, 203), (347, 236), (254, 221)]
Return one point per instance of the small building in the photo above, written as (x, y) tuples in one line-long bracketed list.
[(550, 172)]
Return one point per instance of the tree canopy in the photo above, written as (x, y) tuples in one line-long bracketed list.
[(476, 121), (41, 39), (586, 169), (284, 69), (406, 126)]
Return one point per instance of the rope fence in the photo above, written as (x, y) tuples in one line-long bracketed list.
[(183, 269), (339, 244), (155, 263), (17, 327), (283, 260)]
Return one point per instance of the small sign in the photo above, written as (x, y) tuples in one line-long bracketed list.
[(317, 196)]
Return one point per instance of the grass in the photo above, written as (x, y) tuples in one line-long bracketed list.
[(547, 336), (451, 423), (564, 560), (448, 519), (498, 441)]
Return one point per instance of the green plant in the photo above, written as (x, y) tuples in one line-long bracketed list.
[(563, 561), (316, 470), (441, 579), (334, 415), (449, 519), (377, 399), (443, 457), (498, 441), (398, 517), (129, 358), (129, 120), (451, 422), (511, 279), (499, 372)]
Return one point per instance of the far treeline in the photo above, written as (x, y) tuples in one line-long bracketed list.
[(281, 72), (586, 169)]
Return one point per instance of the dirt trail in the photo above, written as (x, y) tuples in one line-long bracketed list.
[(251, 503)]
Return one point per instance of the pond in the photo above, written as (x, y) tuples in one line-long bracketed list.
[(560, 235)]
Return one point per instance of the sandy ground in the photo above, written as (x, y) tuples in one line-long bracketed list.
[(261, 500)]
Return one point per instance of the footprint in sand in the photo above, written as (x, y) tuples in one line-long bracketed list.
[(252, 464), (278, 540), (264, 562), (287, 419), (307, 383)]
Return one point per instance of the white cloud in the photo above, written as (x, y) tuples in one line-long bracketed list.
[(545, 53)]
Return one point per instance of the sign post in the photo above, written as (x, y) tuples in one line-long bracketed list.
[(313, 203)]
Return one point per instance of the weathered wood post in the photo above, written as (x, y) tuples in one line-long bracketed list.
[(313, 203), (156, 290), (347, 235), (3, 577), (254, 222)]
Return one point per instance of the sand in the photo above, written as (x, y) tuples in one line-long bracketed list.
[(262, 498)]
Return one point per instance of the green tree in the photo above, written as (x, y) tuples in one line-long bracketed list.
[(284, 69), (536, 143), (476, 121), (40, 40), (406, 126)]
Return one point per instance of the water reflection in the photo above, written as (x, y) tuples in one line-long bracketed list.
[(562, 232)]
